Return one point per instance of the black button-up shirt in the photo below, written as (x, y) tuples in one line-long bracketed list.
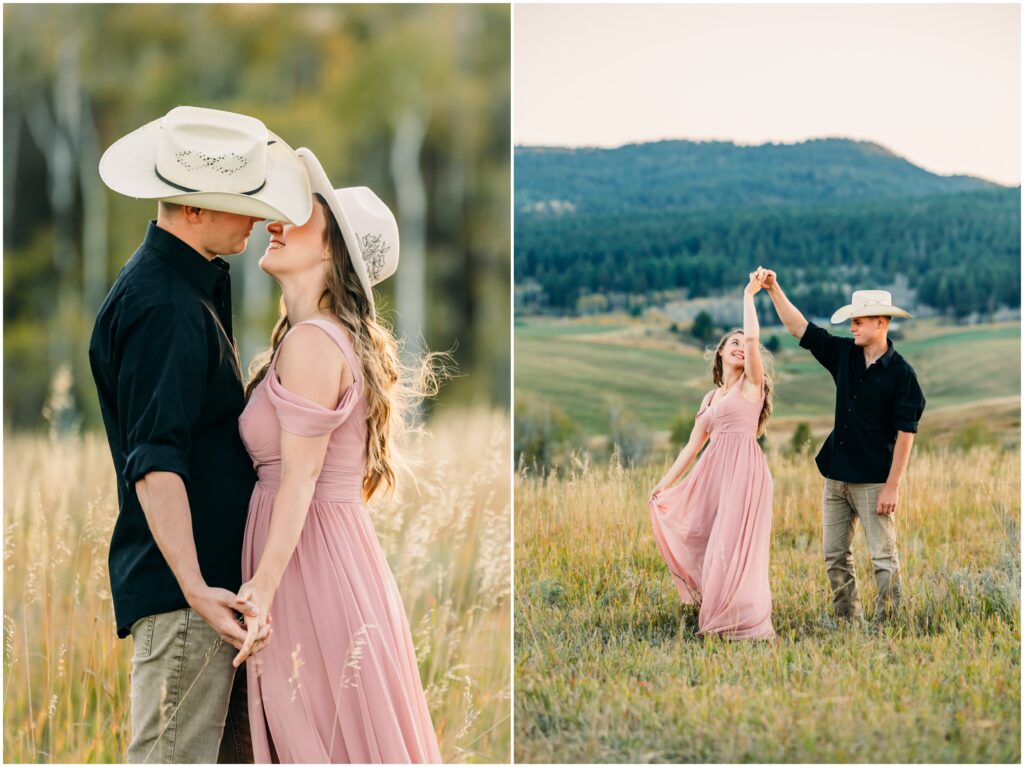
[(170, 390), (872, 404)]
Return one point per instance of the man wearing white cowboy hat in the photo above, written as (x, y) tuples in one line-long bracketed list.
[(878, 405), (169, 382)]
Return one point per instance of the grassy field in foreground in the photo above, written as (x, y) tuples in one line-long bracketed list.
[(66, 694), (575, 363), (608, 667)]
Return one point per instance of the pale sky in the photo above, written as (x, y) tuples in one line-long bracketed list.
[(937, 84)]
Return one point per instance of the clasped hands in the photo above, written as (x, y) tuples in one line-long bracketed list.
[(761, 278), (253, 602), (220, 608)]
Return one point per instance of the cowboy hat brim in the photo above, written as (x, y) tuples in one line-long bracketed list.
[(320, 184), (129, 168), (850, 311)]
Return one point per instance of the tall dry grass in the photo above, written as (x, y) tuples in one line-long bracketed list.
[(609, 669), (66, 675)]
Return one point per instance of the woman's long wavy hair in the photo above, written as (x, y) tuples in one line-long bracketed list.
[(393, 389), (767, 363)]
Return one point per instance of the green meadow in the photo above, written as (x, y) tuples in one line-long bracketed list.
[(609, 667), (608, 664)]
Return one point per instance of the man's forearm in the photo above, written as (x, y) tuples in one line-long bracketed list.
[(900, 457), (165, 503), (791, 317)]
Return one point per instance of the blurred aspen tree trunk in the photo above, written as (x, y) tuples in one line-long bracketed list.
[(54, 127), (94, 214), (411, 194)]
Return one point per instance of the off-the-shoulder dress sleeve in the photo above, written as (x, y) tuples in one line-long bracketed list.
[(298, 415)]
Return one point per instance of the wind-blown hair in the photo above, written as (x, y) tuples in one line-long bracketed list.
[(393, 388)]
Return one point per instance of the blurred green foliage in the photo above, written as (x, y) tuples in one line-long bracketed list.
[(543, 433), (802, 440), (972, 434), (681, 428), (340, 79)]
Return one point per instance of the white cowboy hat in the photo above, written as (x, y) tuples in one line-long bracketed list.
[(869, 303), (210, 159), (367, 224)]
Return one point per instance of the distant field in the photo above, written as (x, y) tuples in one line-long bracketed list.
[(577, 363)]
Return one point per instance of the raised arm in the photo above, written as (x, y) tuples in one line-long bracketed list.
[(791, 317), (752, 364)]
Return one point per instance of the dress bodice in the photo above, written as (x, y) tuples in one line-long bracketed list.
[(272, 409), (734, 413)]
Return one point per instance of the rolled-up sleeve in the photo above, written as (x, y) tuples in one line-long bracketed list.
[(824, 346), (160, 385), (909, 402)]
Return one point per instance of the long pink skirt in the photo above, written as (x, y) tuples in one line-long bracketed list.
[(714, 531), (338, 681)]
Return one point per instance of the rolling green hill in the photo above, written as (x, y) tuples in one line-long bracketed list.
[(689, 175), (577, 364)]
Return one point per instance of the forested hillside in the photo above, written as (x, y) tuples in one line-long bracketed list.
[(687, 175), (697, 217)]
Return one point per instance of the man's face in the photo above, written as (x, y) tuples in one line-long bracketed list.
[(225, 234), (867, 330)]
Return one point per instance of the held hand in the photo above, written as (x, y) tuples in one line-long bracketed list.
[(219, 608), (257, 636), (756, 282), (887, 500), (769, 278), (258, 623)]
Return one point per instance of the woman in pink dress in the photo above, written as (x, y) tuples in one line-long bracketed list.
[(338, 680), (714, 528)]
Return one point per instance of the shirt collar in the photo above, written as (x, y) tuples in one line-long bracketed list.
[(886, 358), (207, 275)]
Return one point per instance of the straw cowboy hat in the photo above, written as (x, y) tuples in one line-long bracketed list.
[(367, 224), (210, 159), (869, 303)]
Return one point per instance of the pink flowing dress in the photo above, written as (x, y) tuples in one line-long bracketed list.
[(338, 681), (714, 528)]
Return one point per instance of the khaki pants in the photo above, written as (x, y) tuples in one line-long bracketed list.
[(842, 504), (188, 704)]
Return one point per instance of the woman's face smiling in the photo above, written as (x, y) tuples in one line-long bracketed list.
[(296, 249), (732, 352)]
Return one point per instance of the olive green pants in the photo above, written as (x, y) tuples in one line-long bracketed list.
[(188, 704), (843, 503)]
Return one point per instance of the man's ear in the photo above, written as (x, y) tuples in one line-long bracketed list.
[(192, 214)]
